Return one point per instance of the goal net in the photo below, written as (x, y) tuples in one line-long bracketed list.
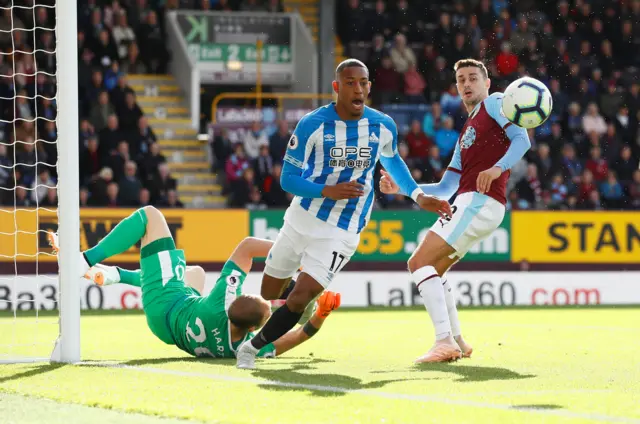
[(39, 297)]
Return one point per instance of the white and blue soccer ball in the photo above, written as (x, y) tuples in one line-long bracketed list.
[(527, 102)]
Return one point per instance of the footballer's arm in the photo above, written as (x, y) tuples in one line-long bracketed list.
[(328, 302)]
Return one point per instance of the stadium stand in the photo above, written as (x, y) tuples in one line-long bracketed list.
[(584, 157)]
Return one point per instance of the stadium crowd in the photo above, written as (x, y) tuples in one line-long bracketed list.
[(120, 162), (584, 157)]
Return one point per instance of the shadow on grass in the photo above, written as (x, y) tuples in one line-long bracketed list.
[(321, 385), (32, 372), (469, 373)]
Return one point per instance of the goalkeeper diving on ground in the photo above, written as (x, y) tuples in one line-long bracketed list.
[(177, 313)]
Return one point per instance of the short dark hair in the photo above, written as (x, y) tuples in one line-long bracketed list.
[(467, 63), (246, 312), (350, 63)]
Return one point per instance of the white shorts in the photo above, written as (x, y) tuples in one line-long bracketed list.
[(475, 217), (322, 250)]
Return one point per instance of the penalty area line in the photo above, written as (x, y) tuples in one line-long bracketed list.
[(369, 393)]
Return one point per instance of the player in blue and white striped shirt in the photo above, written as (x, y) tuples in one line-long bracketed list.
[(329, 167)]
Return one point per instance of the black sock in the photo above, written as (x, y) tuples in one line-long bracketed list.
[(278, 325), (288, 290)]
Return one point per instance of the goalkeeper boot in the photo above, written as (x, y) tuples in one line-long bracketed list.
[(246, 356), (83, 266), (103, 275), (465, 347), (442, 351)]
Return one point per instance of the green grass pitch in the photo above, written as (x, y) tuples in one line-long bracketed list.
[(529, 365)]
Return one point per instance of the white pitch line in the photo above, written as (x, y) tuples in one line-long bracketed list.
[(371, 393)]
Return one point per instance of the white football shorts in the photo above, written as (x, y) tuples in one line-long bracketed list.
[(322, 250), (475, 217)]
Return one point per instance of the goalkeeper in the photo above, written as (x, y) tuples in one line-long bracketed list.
[(205, 326)]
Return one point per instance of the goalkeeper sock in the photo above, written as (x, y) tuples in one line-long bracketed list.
[(127, 233), (429, 285), (278, 325), (129, 277), (452, 309)]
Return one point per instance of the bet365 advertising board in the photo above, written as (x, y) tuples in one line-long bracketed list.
[(209, 236)]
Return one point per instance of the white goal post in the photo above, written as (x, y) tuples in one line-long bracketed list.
[(67, 347), (24, 337)]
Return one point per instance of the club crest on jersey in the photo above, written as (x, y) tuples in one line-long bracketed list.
[(293, 142), (468, 138)]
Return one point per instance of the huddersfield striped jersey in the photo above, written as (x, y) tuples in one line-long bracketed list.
[(332, 151)]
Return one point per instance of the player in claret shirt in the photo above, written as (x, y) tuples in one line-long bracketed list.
[(488, 147)]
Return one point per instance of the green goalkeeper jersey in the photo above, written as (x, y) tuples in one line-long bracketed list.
[(200, 325)]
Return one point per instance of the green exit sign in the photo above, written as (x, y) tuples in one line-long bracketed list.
[(211, 52)]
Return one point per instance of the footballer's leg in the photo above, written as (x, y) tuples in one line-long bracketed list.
[(281, 321), (433, 250), (145, 223), (443, 267)]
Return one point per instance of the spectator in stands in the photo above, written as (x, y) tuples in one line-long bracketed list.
[(130, 185), (262, 165), (50, 200), (419, 143), (255, 202), (241, 189), (144, 198), (274, 195), (22, 199), (123, 35), (530, 188), (254, 140), (435, 165), (432, 120), (381, 22), (278, 141), (133, 63), (414, 85), (624, 165), (155, 55), (172, 200), (130, 114), (101, 111), (236, 164), (119, 158), (507, 62), (450, 101), (611, 191), (401, 54), (446, 137), (144, 136), (593, 121), (150, 162), (597, 165), (113, 200), (387, 83), (98, 187), (41, 185), (558, 190), (110, 137), (161, 184)]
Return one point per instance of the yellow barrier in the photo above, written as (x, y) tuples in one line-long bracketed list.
[(205, 235), (576, 237), (260, 96)]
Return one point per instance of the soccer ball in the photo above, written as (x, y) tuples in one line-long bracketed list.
[(527, 102)]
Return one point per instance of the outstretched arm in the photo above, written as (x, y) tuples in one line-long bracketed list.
[(249, 248), (328, 302)]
